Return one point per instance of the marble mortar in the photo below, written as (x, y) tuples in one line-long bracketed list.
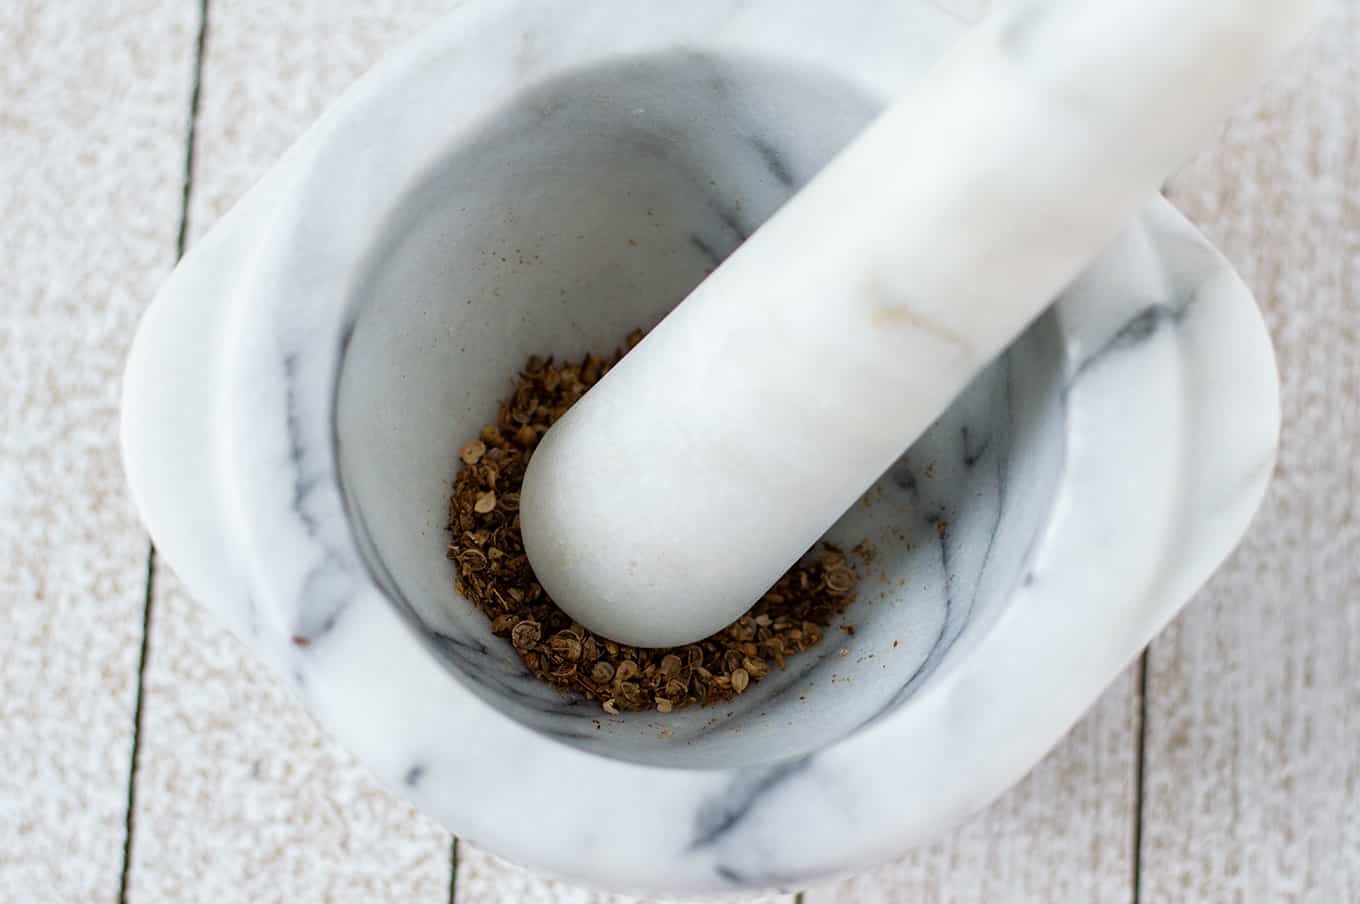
[(528, 178)]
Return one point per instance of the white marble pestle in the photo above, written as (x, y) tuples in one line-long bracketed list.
[(681, 487)]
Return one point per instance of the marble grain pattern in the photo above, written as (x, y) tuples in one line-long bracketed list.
[(1253, 742), (240, 796), (732, 861), (218, 730), (1065, 833), (739, 821), (93, 104)]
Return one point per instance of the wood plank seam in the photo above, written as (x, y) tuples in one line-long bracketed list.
[(191, 128), (1140, 751), (136, 724)]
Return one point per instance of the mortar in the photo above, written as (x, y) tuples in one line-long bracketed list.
[(525, 180)]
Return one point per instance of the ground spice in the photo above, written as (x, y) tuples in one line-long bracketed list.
[(493, 573)]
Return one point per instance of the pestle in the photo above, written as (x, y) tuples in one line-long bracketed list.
[(680, 488)]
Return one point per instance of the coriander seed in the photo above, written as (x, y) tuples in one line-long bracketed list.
[(492, 572)]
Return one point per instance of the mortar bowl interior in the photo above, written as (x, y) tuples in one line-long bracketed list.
[(591, 206)]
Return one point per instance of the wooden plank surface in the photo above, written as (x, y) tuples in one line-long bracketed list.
[(1252, 760), (240, 796), (1253, 743), (1065, 833), (93, 104)]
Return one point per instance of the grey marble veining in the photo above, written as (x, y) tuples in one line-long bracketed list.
[(339, 335)]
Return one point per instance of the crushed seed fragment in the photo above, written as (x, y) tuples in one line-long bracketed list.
[(472, 452)]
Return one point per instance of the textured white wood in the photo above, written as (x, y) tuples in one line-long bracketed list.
[(93, 104), (485, 879), (240, 796), (1252, 771), (1253, 744), (1065, 833)]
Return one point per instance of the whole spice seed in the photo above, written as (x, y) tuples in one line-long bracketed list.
[(493, 573)]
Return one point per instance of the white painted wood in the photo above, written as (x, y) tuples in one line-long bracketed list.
[(1253, 745), (486, 879), (1065, 833), (93, 101), (1252, 774), (240, 796)]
